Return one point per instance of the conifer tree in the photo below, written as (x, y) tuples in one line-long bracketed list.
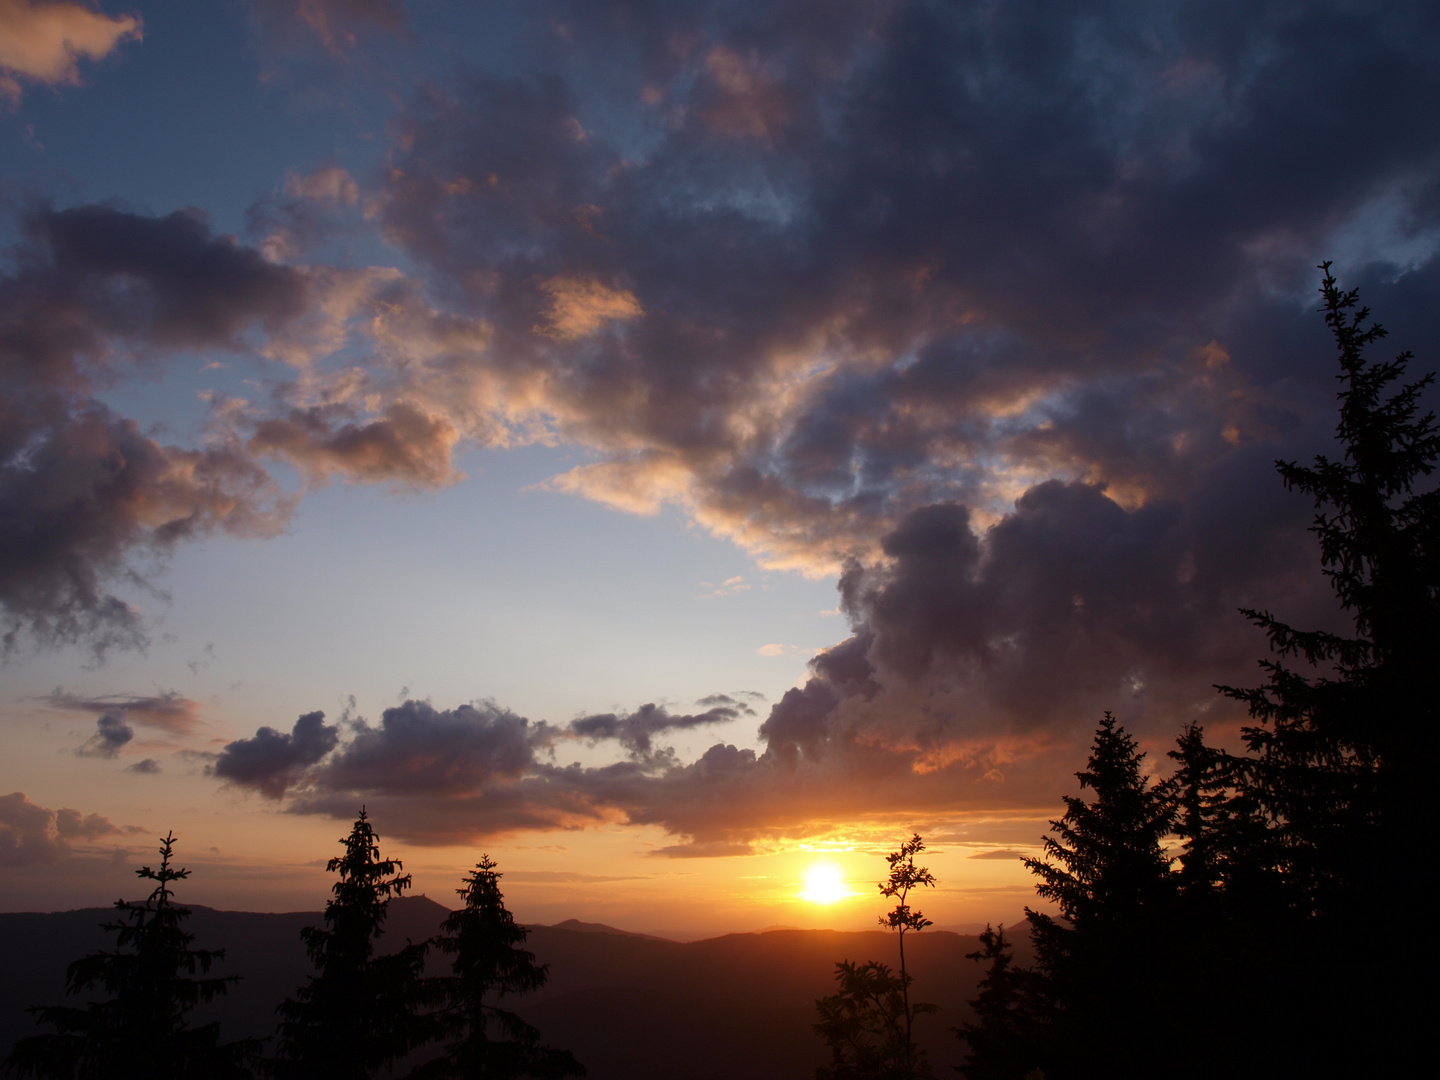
[(1106, 869), (359, 1012), (1002, 1041), (484, 1039), (1346, 751), (151, 983), (1228, 848), (1341, 755)]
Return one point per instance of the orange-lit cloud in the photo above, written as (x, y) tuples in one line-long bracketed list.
[(44, 42), (917, 297), (581, 306)]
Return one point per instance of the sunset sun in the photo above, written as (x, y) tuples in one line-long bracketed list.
[(824, 885)]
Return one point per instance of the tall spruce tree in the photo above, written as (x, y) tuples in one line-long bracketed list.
[(1341, 754), (150, 979), (360, 1012), (484, 1039), (1106, 869)]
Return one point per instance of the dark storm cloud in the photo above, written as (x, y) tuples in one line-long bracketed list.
[(635, 730), (1005, 309), (90, 291), (31, 834), (89, 282), (943, 245), (273, 761)]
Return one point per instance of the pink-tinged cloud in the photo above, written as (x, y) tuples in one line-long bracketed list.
[(30, 834), (170, 712), (43, 41)]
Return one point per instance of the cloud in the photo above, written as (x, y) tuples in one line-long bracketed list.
[(725, 588), (635, 731), (337, 25), (580, 307), (30, 834), (978, 664), (169, 711), (274, 761), (330, 183), (1007, 854), (44, 42), (111, 735), (863, 291), (90, 292), (405, 445), (999, 314)]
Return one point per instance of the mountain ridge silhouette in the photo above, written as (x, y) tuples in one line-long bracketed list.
[(631, 1006)]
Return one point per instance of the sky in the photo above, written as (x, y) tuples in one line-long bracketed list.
[(680, 449)]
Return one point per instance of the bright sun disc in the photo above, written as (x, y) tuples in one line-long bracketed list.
[(823, 885)]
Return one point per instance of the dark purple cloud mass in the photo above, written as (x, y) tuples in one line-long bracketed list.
[(90, 293), (1002, 312), (274, 760)]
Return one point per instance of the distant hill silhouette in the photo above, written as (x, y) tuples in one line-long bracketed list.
[(630, 1006)]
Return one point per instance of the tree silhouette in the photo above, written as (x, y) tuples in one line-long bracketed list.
[(1341, 757), (1293, 853), (868, 1024), (1003, 1038), (864, 1024), (904, 877), (359, 1012), (1348, 750), (150, 979), (485, 1039), (1106, 869)]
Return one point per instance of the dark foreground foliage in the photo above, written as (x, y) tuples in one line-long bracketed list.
[(362, 1014), (149, 983), (869, 1022), (359, 1012), (1270, 947), (483, 1039)]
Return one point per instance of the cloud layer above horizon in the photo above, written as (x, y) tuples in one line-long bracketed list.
[(998, 312)]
